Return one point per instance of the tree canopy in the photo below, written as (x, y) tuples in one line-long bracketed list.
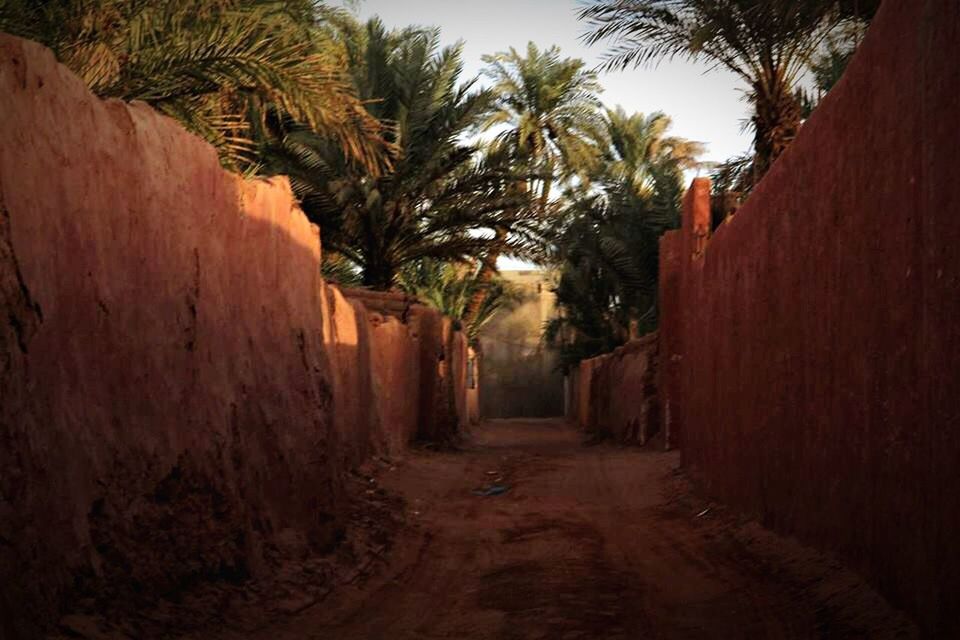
[(217, 66), (769, 44), (420, 178)]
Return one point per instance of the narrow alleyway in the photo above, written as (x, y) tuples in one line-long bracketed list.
[(588, 542)]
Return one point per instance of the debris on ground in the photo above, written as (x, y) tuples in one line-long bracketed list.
[(491, 490), (296, 582)]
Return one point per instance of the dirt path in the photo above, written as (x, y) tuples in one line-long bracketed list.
[(589, 542)]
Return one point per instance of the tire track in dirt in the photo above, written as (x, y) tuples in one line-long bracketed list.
[(589, 542)]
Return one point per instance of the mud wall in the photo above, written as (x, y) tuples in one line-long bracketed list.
[(669, 351), (349, 337), (180, 392), (812, 345), (396, 370), (417, 371), (473, 386), (617, 392), (582, 400), (459, 358)]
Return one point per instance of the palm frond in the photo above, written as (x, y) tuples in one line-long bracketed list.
[(768, 44), (214, 65)]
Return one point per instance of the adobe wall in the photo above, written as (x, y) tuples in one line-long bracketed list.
[(473, 390), (669, 351), (396, 370), (437, 399), (571, 396), (582, 399), (459, 356), (349, 335), (417, 372), (815, 343), (180, 392), (617, 392)]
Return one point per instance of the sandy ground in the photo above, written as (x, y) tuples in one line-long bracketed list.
[(589, 542)]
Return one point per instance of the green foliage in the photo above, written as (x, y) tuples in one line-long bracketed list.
[(442, 196), (768, 44), (547, 112), (608, 249), (377, 132), (830, 63), (734, 179), (546, 117), (217, 66), (731, 183), (338, 270), (449, 288), (640, 152)]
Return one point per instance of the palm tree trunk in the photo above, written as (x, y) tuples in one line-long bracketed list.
[(776, 119), (378, 276), (488, 266)]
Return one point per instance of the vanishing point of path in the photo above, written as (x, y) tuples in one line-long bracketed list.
[(589, 542)]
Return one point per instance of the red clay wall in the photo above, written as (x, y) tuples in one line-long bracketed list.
[(418, 371), (459, 355), (348, 338), (814, 347), (617, 392), (396, 376), (179, 390), (473, 392), (669, 349), (582, 399), (438, 362)]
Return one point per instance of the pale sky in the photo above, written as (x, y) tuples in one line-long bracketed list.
[(705, 105)]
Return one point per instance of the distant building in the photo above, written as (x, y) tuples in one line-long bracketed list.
[(518, 374)]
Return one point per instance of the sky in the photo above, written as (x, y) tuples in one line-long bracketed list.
[(705, 104)]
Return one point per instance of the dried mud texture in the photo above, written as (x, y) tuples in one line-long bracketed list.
[(399, 373), (165, 411), (618, 396), (24, 316), (181, 395), (811, 346), (589, 542), (298, 580)]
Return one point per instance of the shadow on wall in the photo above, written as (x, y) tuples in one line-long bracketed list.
[(810, 349), (159, 422), (180, 392), (616, 395)]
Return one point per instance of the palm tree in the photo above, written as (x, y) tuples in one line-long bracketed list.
[(608, 277), (608, 250), (639, 148), (442, 198), (217, 66), (731, 182), (548, 117), (829, 65), (449, 287), (550, 109), (767, 43)]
